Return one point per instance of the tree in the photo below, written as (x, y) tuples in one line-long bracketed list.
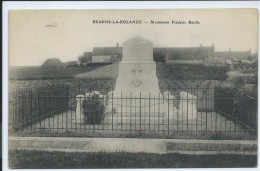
[(253, 56), (52, 63), (158, 57), (85, 58)]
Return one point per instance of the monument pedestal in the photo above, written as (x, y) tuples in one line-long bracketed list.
[(137, 87), (137, 79)]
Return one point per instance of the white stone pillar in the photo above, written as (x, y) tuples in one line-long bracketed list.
[(188, 105), (79, 109), (110, 102), (169, 108)]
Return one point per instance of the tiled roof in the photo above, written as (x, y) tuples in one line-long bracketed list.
[(178, 53), (101, 51)]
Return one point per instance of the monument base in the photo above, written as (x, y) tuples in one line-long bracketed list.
[(141, 106)]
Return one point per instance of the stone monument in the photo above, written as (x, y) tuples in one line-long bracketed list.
[(137, 86), (137, 92), (137, 70)]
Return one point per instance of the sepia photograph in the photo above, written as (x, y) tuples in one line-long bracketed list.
[(132, 88)]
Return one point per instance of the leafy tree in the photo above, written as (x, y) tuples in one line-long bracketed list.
[(85, 58), (253, 56), (52, 63)]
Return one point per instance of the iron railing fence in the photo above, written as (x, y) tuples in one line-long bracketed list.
[(29, 107), (196, 110), (204, 93), (237, 106)]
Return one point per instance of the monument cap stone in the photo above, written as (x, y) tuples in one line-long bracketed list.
[(137, 50), (137, 39)]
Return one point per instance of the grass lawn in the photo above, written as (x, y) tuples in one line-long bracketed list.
[(21, 159), (164, 71), (37, 73)]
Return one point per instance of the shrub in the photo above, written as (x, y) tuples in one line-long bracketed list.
[(226, 85), (214, 61), (239, 79), (216, 72), (52, 63), (250, 89), (158, 57), (93, 108)]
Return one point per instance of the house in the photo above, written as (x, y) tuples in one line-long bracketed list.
[(234, 55), (106, 54), (114, 54), (185, 53), (172, 54)]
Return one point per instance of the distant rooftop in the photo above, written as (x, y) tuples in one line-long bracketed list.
[(176, 53), (100, 51)]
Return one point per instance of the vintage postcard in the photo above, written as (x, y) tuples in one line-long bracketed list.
[(125, 88)]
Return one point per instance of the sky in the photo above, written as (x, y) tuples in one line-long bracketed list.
[(36, 35)]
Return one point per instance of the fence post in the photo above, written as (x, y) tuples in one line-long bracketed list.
[(31, 109), (206, 111), (168, 113), (22, 110), (121, 111), (131, 106), (13, 110), (39, 108), (140, 110), (187, 109), (149, 111), (112, 110)]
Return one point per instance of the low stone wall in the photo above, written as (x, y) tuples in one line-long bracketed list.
[(132, 145)]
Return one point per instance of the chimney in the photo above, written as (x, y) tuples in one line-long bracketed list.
[(250, 51), (213, 47), (200, 45), (117, 44)]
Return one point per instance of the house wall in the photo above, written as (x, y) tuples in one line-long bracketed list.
[(101, 58)]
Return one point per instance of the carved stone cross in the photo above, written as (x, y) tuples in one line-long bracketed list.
[(137, 69)]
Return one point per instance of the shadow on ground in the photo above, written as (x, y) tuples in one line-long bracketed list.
[(22, 159)]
